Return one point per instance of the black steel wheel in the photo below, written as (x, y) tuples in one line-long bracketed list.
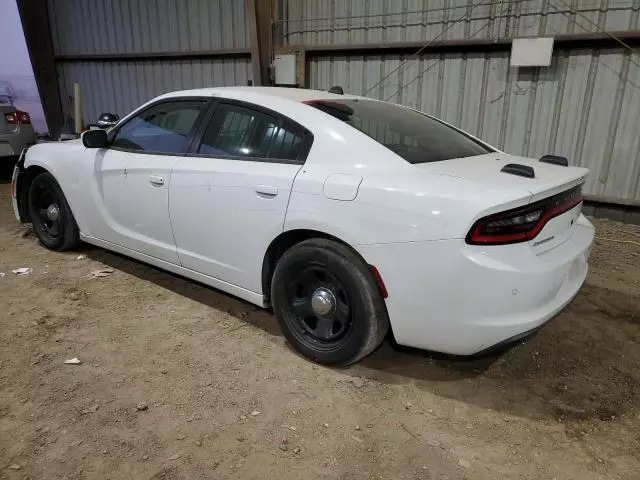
[(321, 303), (327, 303), (50, 214)]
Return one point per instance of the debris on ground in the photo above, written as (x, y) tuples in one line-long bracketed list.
[(73, 361), (464, 463), (175, 456), (81, 257), (255, 413), (142, 406), (22, 271), (15, 466), (181, 436), (359, 382), (102, 272), (92, 409), (2, 274)]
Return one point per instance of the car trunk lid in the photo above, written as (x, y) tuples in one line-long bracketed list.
[(551, 184), (548, 179)]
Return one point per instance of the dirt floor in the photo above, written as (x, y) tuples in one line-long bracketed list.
[(180, 381)]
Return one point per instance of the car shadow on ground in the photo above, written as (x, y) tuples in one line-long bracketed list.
[(567, 371)]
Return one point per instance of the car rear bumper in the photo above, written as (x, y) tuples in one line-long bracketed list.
[(11, 144), (461, 299)]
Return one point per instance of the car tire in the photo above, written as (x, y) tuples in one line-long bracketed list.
[(50, 214), (327, 302)]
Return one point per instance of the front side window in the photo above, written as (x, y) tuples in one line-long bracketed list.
[(236, 131), (414, 136), (162, 128)]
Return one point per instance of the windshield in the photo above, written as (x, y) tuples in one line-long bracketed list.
[(414, 136)]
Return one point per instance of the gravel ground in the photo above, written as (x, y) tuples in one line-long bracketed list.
[(179, 381)]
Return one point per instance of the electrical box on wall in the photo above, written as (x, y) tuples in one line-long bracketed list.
[(285, 66), (531, 52)]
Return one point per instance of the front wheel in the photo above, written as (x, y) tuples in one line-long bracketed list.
[(50, 214), (327, 303)]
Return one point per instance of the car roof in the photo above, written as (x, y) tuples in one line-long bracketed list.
[(294, 94)]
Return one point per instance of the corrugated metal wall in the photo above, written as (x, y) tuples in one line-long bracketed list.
[(311, 22), (139, 27), (119, 87), (586, 105)]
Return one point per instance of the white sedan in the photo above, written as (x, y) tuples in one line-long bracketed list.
[(349, 216)]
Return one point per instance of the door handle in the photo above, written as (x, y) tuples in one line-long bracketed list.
[(266, 191), (156, 180)]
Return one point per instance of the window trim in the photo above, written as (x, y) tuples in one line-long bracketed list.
[(208, 102), (307, 136)]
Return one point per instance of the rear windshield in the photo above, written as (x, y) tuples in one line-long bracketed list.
[(414, 136)]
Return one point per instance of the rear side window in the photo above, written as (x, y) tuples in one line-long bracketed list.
[(236, 131), (162, 128), (415, 137)]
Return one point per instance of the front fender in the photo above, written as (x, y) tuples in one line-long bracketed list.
[(62, 161)]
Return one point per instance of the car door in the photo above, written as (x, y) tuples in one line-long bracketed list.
[(228, 198), (133, 176)]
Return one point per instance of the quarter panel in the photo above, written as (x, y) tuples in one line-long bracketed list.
[(393, 205)]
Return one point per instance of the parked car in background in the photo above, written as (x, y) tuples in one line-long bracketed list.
[(7, 93), (347, 215), (16, 132)]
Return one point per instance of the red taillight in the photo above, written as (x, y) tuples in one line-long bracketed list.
[(523, 223), (17, 118)]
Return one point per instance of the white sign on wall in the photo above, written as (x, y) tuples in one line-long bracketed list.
[(531, 52)]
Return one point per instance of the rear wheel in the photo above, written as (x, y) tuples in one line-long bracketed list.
[(50, 214), (327, 302)]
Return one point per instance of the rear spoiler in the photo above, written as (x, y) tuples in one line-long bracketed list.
[(555, 160), (529, 172)]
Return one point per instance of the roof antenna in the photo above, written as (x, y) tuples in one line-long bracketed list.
[(336, 89)]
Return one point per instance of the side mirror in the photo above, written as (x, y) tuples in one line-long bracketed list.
[(107, 120), (95, 139)]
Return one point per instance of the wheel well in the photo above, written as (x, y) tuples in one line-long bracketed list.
[(23, 190), (281, 244)]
